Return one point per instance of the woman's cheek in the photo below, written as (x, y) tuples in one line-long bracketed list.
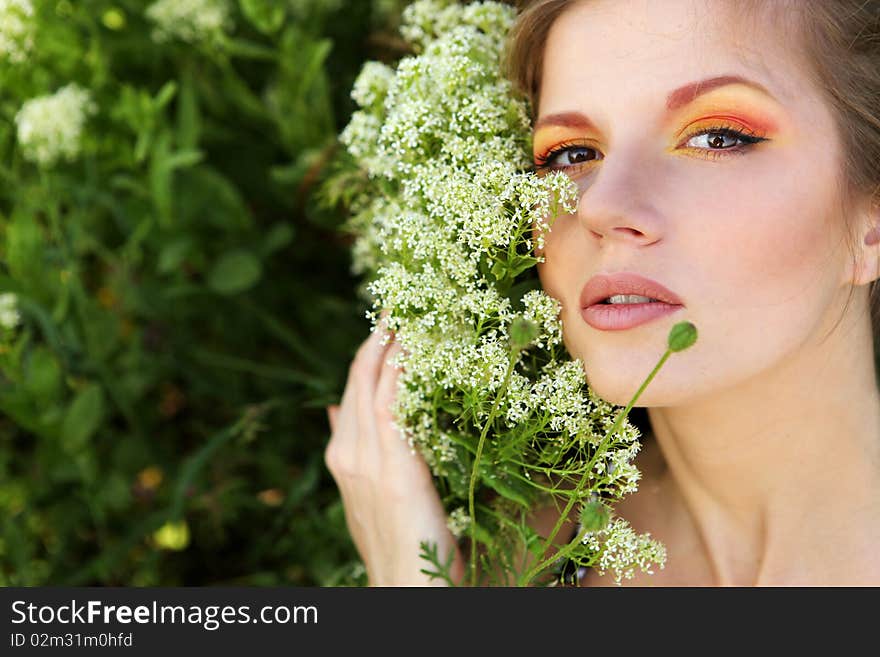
[(563, 267)]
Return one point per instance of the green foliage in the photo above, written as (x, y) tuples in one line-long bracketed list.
[(186, 308)]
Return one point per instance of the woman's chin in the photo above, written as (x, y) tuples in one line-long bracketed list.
[(614, 390), (619, 386)]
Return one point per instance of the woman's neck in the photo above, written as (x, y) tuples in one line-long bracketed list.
[(779, 476)]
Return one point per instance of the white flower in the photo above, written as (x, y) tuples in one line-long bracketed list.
[(372, 84), (188, 20), (621, 550), (9, 315), (543, 310), (50, 127), (426, 20), (16, 29), (458, 522)]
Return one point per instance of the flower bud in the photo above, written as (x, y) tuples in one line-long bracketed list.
[(522, 333), (682, 336), (595, 515)]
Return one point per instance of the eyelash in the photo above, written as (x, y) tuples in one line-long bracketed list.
[(749, 138)]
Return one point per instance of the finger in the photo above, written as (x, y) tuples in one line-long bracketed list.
[(346, 420), (362, 376), (368, 366), (332, 415), (400, 456), (383, 322), (386, 395), (368, 360)]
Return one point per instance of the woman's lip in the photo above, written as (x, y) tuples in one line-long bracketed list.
[(602, 286), (620, 316)]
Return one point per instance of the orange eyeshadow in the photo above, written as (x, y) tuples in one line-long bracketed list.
[(545, 139), (741, 107)]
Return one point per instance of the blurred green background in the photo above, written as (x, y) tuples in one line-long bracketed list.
[(176, 303)]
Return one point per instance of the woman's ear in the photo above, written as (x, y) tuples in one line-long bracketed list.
[(866, 267)]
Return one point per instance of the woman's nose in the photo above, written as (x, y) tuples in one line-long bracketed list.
[(618, 202)]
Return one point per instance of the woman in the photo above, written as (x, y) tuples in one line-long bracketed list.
[(730, 153)]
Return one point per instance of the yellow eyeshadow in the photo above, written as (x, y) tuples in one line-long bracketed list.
[(546, 138), (745, 106)]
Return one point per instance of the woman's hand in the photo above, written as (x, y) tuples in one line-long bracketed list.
[(391, 504)]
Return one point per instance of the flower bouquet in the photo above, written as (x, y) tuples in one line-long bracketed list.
[(448, 216)]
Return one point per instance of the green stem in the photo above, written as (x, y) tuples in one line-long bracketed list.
[(285, 334), (473, 527), (603, 446), (257, 369)]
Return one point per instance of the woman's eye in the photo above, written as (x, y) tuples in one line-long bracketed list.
[(570, 156), (712, 142), (713, 139)]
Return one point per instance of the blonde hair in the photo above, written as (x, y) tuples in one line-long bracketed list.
[(840, 42)]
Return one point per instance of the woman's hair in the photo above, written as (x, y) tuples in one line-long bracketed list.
[(840, 41)]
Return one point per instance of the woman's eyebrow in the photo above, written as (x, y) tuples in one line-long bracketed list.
[(675, 100), (690, 92)]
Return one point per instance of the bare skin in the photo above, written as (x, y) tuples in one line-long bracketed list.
[(764, 468), (766, 464)]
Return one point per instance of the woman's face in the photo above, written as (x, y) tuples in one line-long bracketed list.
[(749, 236)]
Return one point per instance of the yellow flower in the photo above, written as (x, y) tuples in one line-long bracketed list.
[(150, 477), (172, 536), (271, 497)]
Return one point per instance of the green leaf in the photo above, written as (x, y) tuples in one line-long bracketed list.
[(519, 264), (183, 159), (101, 329), (42, 375), (212, 200), (25, 257), (506, 487), (236, 271), (534, 542), (249, 49), (279, 236), (518, 291), (265, 15), (165, 95), (173, 254), (499, 269), (450, 406), (83, 417), (304, 485), (302, 89)]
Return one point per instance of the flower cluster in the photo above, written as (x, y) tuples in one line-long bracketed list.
[(192, 21), (50, 127), (447, 226), (16, 29), (9, 315), (458, 522), (621, 550)]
